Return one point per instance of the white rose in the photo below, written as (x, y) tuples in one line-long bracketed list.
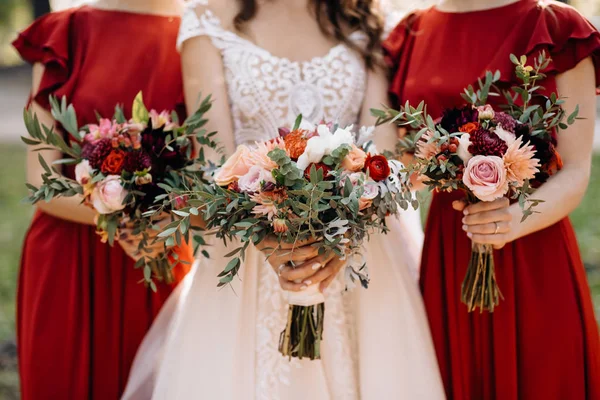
[(508, 137), (83, 172), (108, 195), (464, 141), (320, 146)]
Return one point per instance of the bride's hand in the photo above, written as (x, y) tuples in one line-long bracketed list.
[(310, 267)]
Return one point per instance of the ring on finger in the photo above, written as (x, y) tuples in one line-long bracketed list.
[(497, 228)]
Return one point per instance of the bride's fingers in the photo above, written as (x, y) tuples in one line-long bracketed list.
[(305, 270), (331, 269), (271, 242), (279, 257), (291, 286)]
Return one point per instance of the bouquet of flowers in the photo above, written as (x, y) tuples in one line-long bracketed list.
[(488, 154), (311, 182), (124, 169)]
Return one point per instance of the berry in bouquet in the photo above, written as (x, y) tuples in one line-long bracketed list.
[(489, 153), (322, 182), (124, 169)]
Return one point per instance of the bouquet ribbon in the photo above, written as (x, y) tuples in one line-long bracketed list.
[(306, 298)]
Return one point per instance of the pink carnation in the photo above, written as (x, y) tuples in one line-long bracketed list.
[(485, 176)]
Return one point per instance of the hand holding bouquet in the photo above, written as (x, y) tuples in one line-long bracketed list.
[(308, 183), (123, 169), (489, 154)]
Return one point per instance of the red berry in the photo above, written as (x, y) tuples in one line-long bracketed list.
[(453, 148), (442, 157), (444, 147)]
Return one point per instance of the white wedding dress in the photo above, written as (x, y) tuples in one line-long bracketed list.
[(210, 343)]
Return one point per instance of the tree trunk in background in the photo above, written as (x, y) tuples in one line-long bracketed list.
[(40, 7)]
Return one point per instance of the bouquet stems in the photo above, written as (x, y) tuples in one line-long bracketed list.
[(304, 331), (480, 289)]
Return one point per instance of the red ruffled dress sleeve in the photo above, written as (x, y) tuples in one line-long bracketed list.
[(48, 41), (558, 30), (397, 48)]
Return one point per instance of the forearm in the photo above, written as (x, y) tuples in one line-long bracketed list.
[(70, 209), (561, 194)]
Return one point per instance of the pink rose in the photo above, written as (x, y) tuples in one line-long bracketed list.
[(486, 177), (235, 167), (371, 191), (108, 196), (250, 182), (83, 172), (355, 159)]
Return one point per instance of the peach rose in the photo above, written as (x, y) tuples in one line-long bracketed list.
[(108, 196), (235, 167), (486, 177), (355, 159)]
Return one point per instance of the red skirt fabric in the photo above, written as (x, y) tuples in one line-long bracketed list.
[(82, 309), (540, 343)]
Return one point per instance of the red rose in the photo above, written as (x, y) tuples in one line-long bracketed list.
[(378, 167), (113, 163), (319, 166)]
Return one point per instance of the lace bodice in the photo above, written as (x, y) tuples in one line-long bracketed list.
[(267, 92)]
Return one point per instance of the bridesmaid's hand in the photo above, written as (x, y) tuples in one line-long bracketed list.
[(487, 222)]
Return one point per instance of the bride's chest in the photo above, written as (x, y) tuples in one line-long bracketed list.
[(323, 85)]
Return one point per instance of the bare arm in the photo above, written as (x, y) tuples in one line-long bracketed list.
[(375, 97), (68, 208), (563, 192)]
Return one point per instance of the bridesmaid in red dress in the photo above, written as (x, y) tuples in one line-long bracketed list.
[(542, 341), (82, 311)]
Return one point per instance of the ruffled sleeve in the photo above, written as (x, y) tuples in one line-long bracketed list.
[(47, 41), (397, 48), (562, 33)]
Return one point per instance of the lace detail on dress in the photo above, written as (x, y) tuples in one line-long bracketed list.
[(267, 92)]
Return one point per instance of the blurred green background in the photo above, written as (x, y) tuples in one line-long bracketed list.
[(15, 217)]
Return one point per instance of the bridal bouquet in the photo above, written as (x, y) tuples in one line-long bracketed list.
[(488, 154), (318, 182), (123, 169)]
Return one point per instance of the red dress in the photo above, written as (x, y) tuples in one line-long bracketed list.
[(82, 311), (542, 341)]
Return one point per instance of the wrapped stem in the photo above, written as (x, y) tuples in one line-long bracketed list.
[(479, 288), (304, 331)]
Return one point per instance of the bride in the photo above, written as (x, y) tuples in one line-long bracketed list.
[(266, 61)]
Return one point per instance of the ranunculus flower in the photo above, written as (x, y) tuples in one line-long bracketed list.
[(505, 135), (108, 195), (113, 163), (355, 159), (250, 182), (378, 167), (235, 167), (485, 176), (486, 112), (464, 142), (469, 127), (319, 146), (520, 162), (83, 172)]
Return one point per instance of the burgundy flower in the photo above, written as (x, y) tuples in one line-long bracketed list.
[(99, 153), (137, 161), (486, 143), (454, 118), (508, 123)]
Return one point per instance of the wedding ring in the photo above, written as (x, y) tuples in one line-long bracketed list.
[(497, 227)]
